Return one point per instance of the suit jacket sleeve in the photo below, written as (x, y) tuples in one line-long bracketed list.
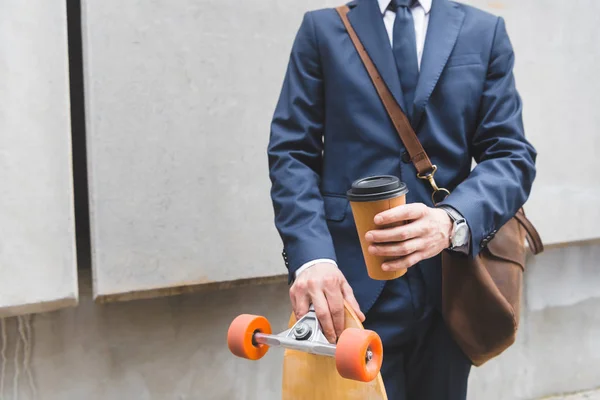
[(501, 181), (295, 155)]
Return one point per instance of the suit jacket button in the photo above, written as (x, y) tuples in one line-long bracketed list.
[(406, 157)]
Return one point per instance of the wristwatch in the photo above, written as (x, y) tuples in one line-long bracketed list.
[(460, 230)]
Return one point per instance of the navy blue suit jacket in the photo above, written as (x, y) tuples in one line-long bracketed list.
[(330, 128)]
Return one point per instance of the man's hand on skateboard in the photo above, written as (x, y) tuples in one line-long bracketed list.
[(424, 234), (325, 287)]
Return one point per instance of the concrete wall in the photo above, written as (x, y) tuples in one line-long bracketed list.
[(557, 55), (153, 86), (557, 350), (37, 240), (175, 348), (179, 100)]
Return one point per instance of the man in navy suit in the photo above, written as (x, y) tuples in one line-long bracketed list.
[(450, 68)]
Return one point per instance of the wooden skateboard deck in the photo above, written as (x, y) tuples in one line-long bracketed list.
[(313, 377)]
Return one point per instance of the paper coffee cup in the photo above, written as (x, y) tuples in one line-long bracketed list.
[(368, 197)]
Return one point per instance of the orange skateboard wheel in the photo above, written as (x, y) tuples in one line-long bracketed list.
[(240, 336), (359, 354)]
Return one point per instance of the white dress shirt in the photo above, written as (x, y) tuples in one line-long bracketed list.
[(420, 13)]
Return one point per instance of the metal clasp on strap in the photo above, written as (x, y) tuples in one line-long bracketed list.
[(439, 194)]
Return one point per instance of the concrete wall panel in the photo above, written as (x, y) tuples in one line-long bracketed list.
[(557, 57), (557, 350), (37, 257), (179, 99)]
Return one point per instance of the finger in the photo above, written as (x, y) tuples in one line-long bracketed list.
[(399, 249), (302, 305), (300, 298), (403, 262), (397, 233), (323, 315), (293, 300), (351, 300), (335, 300), (405, 212)]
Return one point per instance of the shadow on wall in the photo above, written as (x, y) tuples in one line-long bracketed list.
[(82, 219)]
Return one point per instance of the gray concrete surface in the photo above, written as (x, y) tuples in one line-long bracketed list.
[(37, 241), (588, 395), (169, 348), (557, 54), (557, 348), (175, 347), (179, 100)]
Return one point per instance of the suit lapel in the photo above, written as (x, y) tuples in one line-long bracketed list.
[(367, 21), (445, 22)]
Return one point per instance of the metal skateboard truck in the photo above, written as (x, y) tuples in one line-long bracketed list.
[(306, 335), (358, 353)]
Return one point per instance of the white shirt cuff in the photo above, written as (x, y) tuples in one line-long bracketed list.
[(311, 263)]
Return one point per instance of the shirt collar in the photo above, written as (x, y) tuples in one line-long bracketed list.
[(426, 4)]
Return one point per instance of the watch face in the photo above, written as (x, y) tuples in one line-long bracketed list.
[(460, 236)]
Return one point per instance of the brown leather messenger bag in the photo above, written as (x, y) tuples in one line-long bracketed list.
[(481, 296)]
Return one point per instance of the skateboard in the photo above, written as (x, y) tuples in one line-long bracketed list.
[(313, 368)]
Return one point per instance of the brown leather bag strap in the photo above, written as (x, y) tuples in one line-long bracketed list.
[(417, 154), (533, 237), (407, 135)]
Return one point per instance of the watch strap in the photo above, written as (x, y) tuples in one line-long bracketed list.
[(454, 215), (457, 219)]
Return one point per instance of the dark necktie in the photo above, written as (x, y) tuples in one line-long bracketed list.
[(405, 50)]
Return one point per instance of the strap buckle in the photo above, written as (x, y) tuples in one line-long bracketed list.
[(439, 194)]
